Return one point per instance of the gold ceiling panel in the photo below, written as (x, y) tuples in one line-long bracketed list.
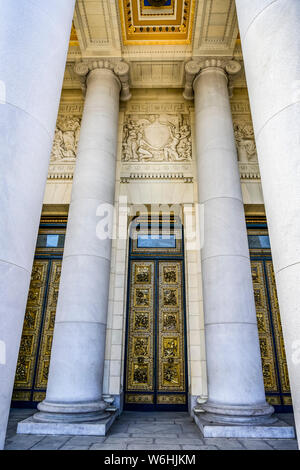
[(143, 23), (73, 36)]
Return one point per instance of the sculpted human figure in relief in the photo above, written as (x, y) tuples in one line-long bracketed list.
[(157, 138), (170, 150), (66, 139), (246, 147)]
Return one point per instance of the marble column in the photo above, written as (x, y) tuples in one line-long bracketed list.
[(74, 392), (271, 49), (33, 48), (235, 381)]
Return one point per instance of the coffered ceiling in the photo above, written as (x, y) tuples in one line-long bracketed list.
[(156, 37), (156, 22)]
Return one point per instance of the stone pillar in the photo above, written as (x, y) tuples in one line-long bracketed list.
[(271, 50), (74, 392), (33, 49), (235, 381)]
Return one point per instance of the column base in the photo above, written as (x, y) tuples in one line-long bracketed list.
[(241, 422), (242, 415), (94, 428), (50, 412), (277, 430)]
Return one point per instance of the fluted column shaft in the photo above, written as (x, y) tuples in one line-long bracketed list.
[(34, 40), (235, 381), (77, 359), (271, 49)]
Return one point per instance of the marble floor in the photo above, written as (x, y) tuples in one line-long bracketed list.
[(137, 430)]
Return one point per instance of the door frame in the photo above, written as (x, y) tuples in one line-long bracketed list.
[(257, 225), (156, 258)]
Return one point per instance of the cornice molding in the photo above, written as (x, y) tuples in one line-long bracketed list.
[(156, 176)]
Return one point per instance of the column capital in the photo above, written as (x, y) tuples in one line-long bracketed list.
[(120, 70), (194, 67)]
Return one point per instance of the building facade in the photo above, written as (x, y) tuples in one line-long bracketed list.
[(149, 163)]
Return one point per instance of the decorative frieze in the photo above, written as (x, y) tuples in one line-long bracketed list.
[(240, 107), (156, 138), (75, 109), (244, 137), (156, 176), (249, 171), (61, 172), (157, 107), (66, 139)]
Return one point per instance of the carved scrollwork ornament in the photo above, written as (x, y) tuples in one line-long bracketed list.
[(120, 69), (193, 68), (233, 67), (81, 68)]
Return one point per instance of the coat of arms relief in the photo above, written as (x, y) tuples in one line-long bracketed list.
[(156, 138)]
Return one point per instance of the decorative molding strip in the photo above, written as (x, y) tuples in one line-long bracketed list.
[(134, 107), (75, 109), (249, 171), (240, 107), (61, 172), (65, 172), (156, 176)]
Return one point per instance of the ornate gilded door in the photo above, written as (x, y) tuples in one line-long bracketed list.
[(274, 364), (155, 372), (35, 347)]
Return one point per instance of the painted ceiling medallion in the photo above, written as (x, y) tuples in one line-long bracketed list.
[(157, 21)]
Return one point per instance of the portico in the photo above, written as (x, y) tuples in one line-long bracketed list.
[(152, 126)]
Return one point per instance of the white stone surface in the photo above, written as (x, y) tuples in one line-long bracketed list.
[(30, 81), (271, 44), (235, 381), (77, 360), (97, 428), (279, 430)]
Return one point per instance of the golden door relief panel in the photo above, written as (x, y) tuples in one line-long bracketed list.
[(140, 335), (278, 335), (265, 333), (30, 334), (26, 378), (47, 331), (170, 358), (264, 328)]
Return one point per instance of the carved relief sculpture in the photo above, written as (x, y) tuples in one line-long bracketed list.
[(66, 139), (156, 138), (244, 137)]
